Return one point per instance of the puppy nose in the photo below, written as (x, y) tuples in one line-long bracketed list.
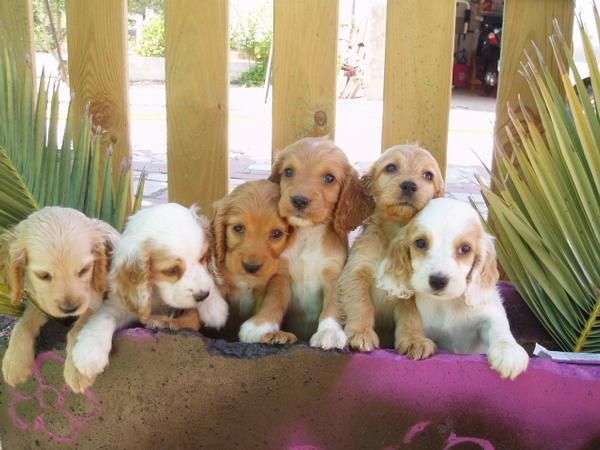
[(408, 187), (199, 296), (252, 267), (300, 202), (69, 308), (438, 281)]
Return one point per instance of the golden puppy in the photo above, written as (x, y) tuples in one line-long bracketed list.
[(322, 196), (249, 239), (445, 257), (401, 182), (57, 261)]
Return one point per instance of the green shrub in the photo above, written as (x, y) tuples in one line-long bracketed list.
[(253, 77), (153, 39)]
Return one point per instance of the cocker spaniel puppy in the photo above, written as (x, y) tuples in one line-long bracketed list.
[(56, 261), (401, 182), (445, 257), (160, 265), (322, 197), (249, 239)]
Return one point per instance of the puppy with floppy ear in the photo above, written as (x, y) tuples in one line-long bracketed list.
[(249, 239), (322, 197), (57, 261), (453, 273), (160, 265), (401, 182)]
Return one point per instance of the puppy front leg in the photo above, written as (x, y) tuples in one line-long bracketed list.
[(410, 336), (19, 358), (264, 326), (504, 354), (94, 341), (77, 381), (329, 332), (354, 294)]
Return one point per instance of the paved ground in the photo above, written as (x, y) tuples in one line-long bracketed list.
[(358, 132)]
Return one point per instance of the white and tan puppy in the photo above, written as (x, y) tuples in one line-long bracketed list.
[(161, 263), (57, 260), (445, 257)]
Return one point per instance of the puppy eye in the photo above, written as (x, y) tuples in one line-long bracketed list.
[(428, 175), (329, 178), (421, 243), (464, 249), (44, 276), (85, 270), (171, 271), (289, 173), (391, 168), (239, 228), (276, 234)]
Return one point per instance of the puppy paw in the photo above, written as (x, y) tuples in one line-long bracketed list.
[(329, 335), (90, 357), (16, 368), (158, 322), (251, 333), (77, 381), (364, 341), (214, 311), (415, 347), (279, 338), (508, 358)]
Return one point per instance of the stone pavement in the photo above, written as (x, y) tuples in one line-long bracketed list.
[(358, 132)]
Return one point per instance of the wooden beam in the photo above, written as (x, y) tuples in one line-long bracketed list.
[(197, 49), (526, 21), (97, 44), (304, 69), (418, 74), (16, 34)]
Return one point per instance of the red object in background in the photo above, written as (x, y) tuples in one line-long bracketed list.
[(460, 75)]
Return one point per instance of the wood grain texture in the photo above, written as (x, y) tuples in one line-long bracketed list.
[(526, 21), (16, 34), (304, 69), (97, 44), (197, 82), (418, 74)]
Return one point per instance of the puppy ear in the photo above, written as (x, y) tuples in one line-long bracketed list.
[(484, 272), (275, 176), (354, 204), (367, 180), (130, 276), (394, 273), (105, 240), (219, 232), (13, 258)]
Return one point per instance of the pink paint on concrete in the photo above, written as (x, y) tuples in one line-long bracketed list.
[(556, 405), (76, 423), (138, 334), (415, 429)]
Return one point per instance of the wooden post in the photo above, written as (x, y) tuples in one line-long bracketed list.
[(526, 21), (418, 74), (16, 34), (304, 69), (197, 81), (97, 44)]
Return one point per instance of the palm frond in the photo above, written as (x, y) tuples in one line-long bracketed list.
[(35, 171), (545, 211)]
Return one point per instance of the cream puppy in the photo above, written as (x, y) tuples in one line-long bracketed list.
[(160, 264), (56, 260), (445, 257)]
